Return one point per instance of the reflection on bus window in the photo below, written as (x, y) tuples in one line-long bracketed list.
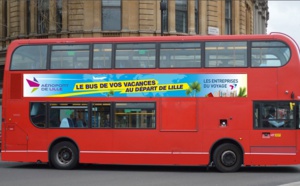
[(101, 117), (274, 115), (141, 55), (29, 58), (38, 114), (69, 57), (269, 54), (134, 115), (68, 115), (102, 56), (180, 55), (225, 54)]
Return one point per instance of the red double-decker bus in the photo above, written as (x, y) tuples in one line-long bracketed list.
[(227, 101)]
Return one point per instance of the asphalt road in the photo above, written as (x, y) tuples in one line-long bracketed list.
[(25, 174)]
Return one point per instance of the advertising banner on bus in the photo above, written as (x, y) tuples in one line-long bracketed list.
[(135, 85)]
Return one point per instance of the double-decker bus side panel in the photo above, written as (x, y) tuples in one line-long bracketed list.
[(271, 144)]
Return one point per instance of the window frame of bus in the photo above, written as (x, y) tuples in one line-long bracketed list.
[(220, 63), (37, 46), (96, 62), (112, 112), (132, 107), (269, 47), (74, 115), (31, 109), (175, 47), (72, 52), (89, 111), (48, 50), (133, 48), (260, 120)]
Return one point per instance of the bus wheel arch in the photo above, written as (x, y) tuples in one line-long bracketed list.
[(63, 154), (227, 155)]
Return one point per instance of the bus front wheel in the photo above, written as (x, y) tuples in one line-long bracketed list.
[(64, 155), (227, 158)]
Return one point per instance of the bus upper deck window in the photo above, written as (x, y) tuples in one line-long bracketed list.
[(269, 54), (70, 57), (226, 54), (135, 55), (102, 56), (29, 58), (180, 55)]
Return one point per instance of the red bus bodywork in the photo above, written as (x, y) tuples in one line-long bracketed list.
[(187, 131)]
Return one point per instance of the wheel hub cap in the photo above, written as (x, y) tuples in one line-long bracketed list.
[(228, 158)]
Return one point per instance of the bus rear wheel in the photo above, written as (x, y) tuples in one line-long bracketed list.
[(227, 158), (64, 155)]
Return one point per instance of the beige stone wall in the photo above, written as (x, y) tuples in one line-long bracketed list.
[(2, 22), (214, 14), (243, 17), (147, 17), (76, 15), (82, 18), (14, 13)]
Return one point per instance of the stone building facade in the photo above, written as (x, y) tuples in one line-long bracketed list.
[(102, 18)]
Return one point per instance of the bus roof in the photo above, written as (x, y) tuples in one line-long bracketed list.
[(272, 36)]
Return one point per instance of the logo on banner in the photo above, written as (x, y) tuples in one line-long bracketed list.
[(33, 84)]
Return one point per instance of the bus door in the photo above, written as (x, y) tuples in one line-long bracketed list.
[(274, 132)]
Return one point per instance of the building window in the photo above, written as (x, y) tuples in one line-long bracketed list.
[(228, 17), (42, 16), (197, 16), (111, 15), (181, 16), (3, 22), (165, 17), (28, 17), (248, 19), (5, 26), (58, 15)]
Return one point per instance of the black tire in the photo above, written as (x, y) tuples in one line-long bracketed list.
[(64, 155), (227, 158)]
